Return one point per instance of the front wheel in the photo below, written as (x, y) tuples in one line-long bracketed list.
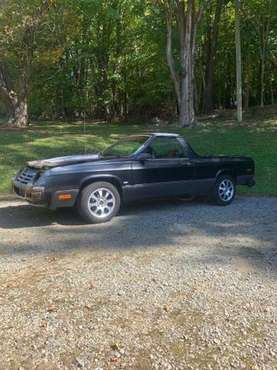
[(224, 190), (99, 202)]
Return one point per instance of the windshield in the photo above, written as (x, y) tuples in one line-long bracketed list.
[(125, 147)]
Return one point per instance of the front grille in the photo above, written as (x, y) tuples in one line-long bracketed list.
[(18, 191), (27, 176)]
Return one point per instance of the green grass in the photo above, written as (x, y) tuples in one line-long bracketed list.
[(55, 139)]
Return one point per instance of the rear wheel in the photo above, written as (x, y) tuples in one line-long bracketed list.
[(224, 190), (99, 202)]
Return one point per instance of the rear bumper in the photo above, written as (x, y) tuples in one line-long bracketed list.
[(248, 180)]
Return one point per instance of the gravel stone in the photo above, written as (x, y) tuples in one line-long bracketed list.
[(169, 284)]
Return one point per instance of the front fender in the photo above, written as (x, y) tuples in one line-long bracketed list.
[(115, 180)]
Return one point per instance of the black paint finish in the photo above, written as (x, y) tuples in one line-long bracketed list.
[(42, 181)]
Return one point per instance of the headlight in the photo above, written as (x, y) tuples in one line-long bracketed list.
[(41, 181)]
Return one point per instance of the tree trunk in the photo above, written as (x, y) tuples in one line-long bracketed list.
[(238, 63), (17, 104), (19, 116), (262, 81), (208, 92), (264, 41), (246, 96), (272, 89), (208, 103), (186, 117), (170, 59), (187, 20)]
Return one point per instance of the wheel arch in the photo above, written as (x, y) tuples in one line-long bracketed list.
[(105, 178), (227, 171)]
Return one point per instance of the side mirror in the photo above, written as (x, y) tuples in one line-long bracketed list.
[(142, 157)]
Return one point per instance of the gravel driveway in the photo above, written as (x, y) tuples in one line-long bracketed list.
[(165, 285)]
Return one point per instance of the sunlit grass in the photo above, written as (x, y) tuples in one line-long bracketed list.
[(46, 140)]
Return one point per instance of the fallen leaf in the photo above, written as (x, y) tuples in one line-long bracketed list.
[(115, 347), (51, 308), (91, 285)]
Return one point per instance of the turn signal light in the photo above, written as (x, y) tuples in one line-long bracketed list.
[(64, 196)]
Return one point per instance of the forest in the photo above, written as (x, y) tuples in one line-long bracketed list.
[(119, 60)]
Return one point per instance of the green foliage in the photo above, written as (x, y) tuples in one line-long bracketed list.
[(106, 58)]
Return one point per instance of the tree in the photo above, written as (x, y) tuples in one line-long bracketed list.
[(238, 63), (17, 47), (187, 15), (213, 20), (266, 12), (106, 59)]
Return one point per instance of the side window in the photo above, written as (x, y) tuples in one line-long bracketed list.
[(165, 147)]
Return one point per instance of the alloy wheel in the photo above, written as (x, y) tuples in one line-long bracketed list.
[(101, 202), (226, 190)]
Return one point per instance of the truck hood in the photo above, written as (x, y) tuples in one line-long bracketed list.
[(63, 161)]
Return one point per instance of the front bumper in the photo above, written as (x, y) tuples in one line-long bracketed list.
[(39, 196), (33, 194)]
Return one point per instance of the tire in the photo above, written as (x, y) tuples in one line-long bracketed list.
[(224, 190), (99, 202)]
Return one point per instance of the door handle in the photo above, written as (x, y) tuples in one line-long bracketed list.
[(186, 164)]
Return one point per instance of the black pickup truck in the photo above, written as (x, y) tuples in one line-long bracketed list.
[(139, 167)]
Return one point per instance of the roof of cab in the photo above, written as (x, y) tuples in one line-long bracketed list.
[(164, 134)]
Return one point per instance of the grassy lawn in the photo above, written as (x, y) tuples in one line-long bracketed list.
[(47, 140)]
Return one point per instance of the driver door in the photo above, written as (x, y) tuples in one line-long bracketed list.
[(167, 172)]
